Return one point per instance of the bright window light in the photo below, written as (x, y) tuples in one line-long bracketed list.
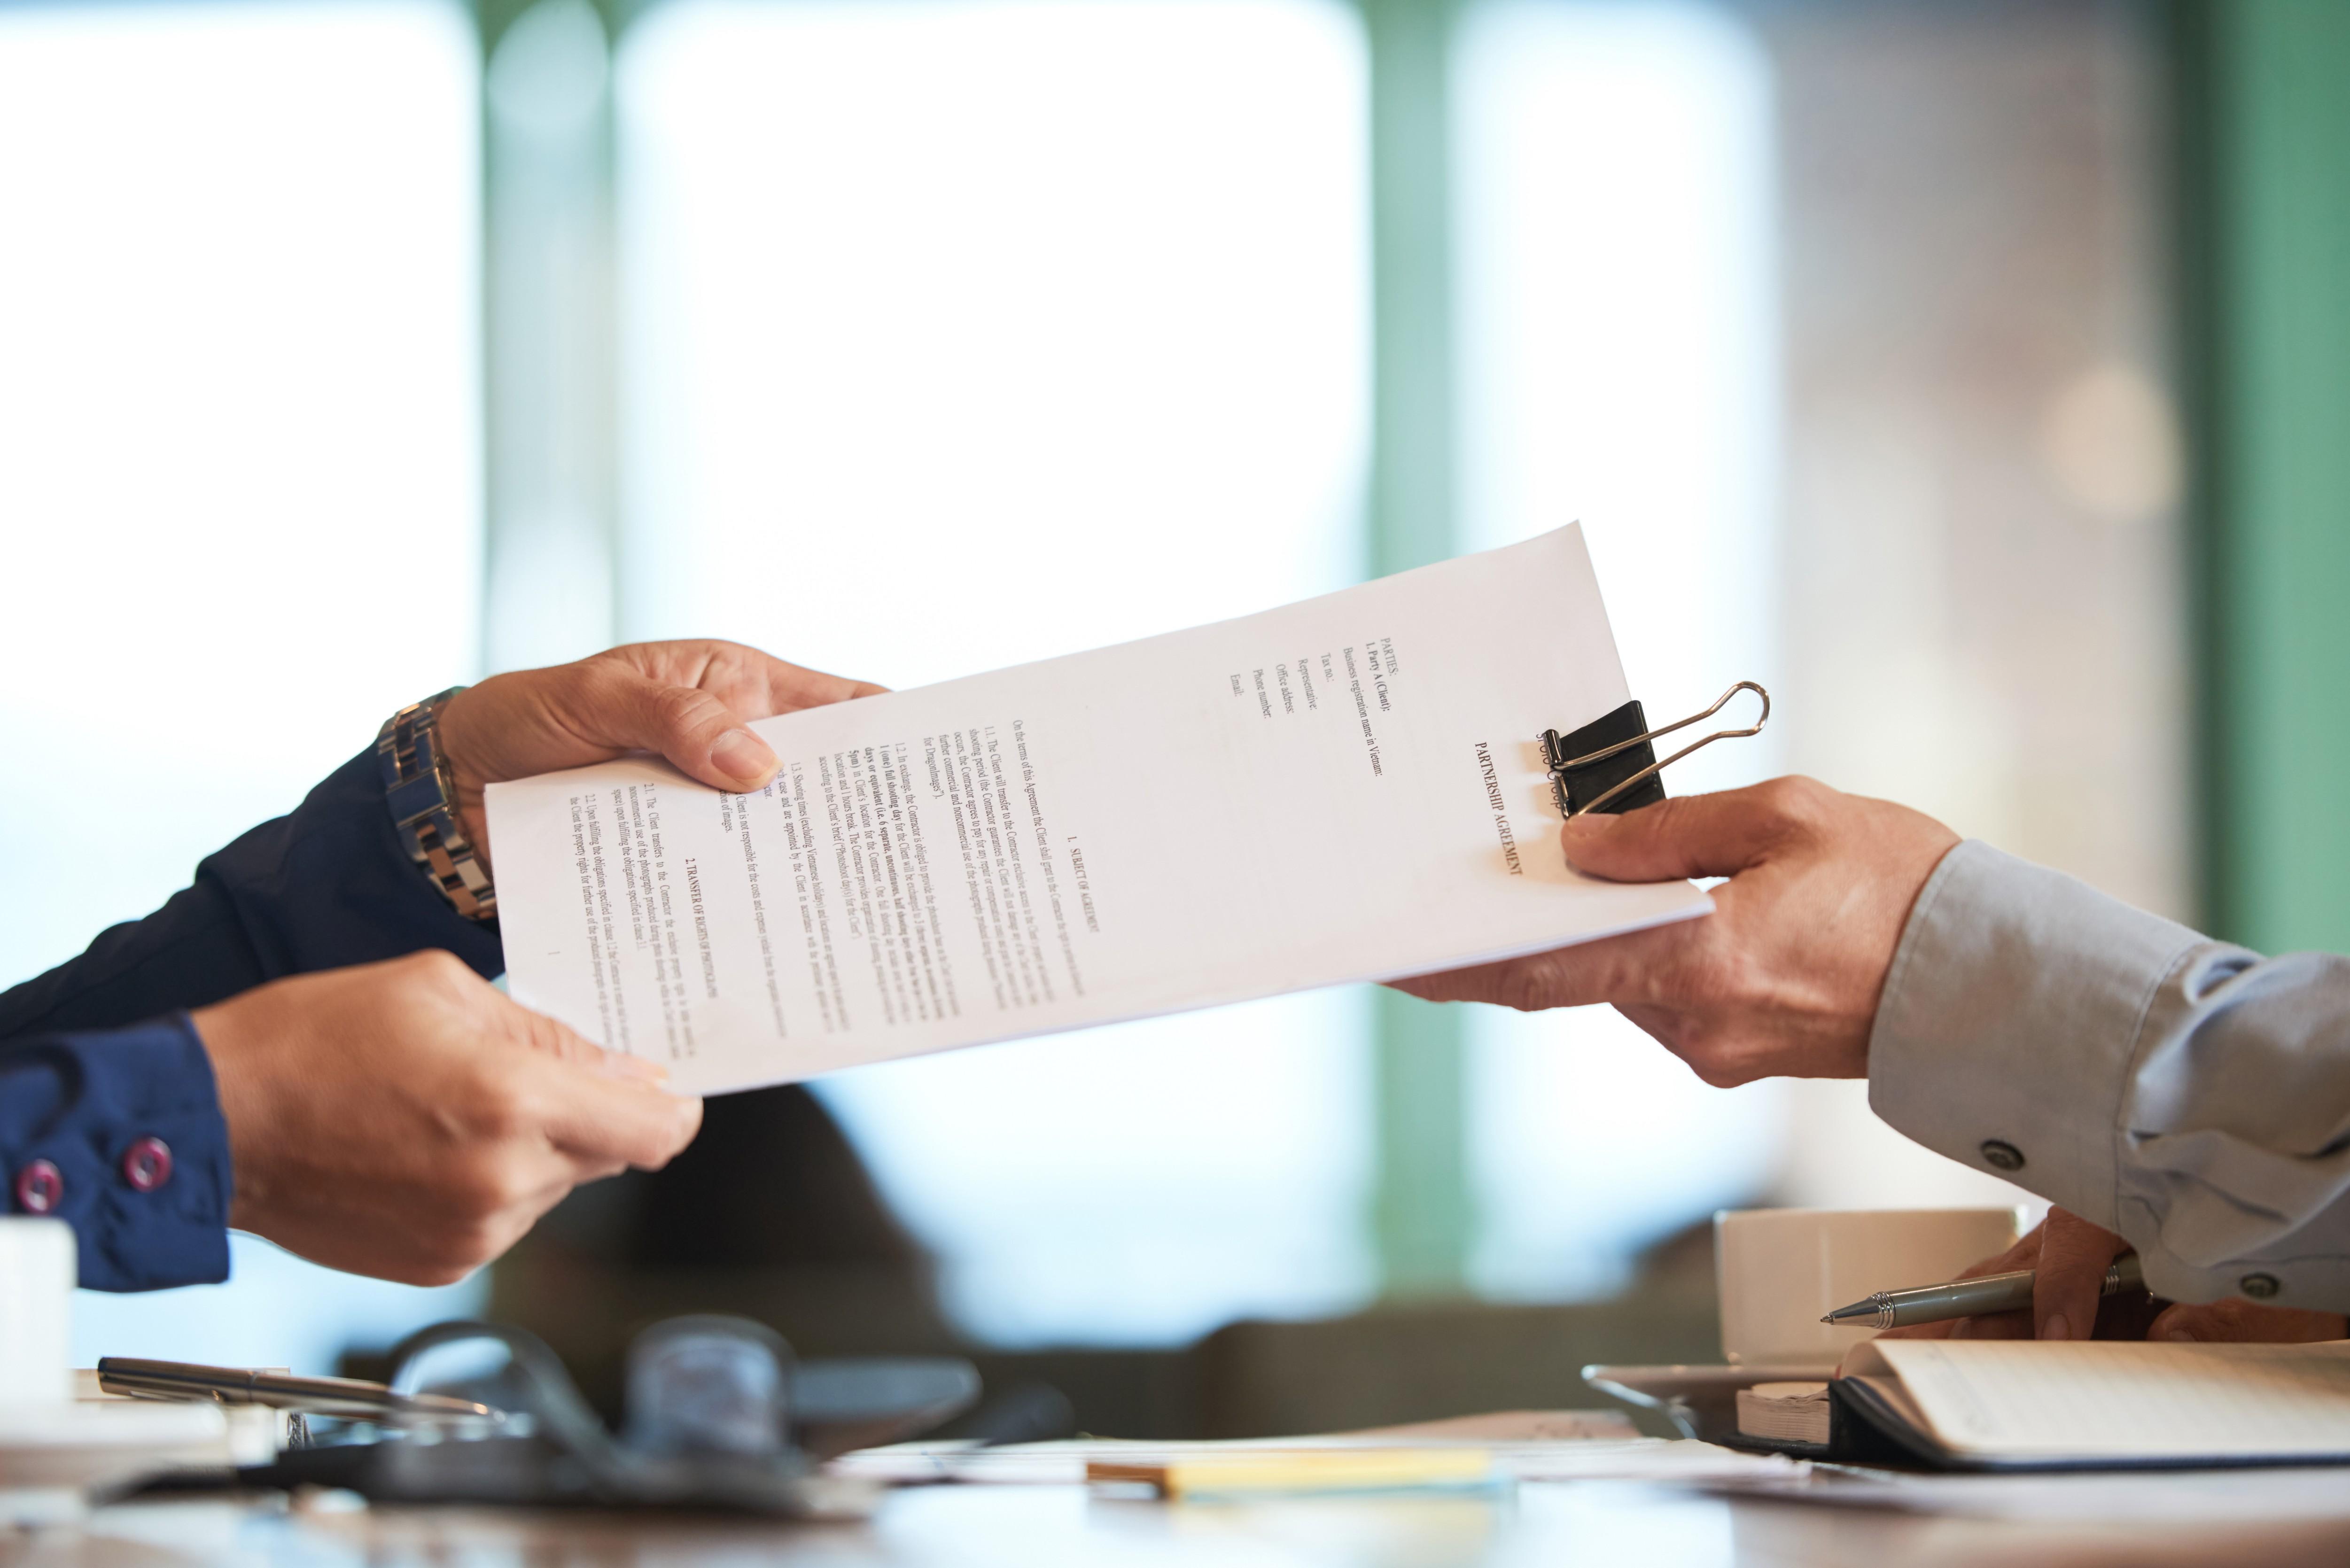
[(1618, 323), (960, 334), (239, 481)]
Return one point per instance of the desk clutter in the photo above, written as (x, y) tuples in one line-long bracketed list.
[(721, 1420), (1778, 1273), (719, 1417), (1815, 1385), (722, 1417)]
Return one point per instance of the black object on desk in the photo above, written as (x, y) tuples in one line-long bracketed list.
[(720, 1416)]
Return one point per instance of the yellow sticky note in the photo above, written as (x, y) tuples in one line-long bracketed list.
[(1279, 1470)]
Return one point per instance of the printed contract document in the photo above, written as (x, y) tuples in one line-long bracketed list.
[(1344, 789)]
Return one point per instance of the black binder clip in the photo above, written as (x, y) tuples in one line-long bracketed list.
[(1610, 766)]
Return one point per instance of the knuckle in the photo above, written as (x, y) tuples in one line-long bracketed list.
[(509, 1109), (1710, 973), (1528, 986), (472, 1189), (1785, 802), (1714, 1072), (595, 698), (593, 683), (685, 708), (490, 1185), (437, 967), (1719, 1060), (552, 1037)]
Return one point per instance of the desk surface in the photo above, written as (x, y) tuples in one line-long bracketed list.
[(1584, 1524)]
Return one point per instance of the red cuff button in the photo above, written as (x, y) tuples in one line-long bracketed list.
[(40, 1187), (147, 1164)]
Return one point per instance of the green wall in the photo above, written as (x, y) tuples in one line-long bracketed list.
[(1422, 1211), (2264, 114)]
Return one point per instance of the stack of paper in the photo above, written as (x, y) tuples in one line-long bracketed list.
[(1347, 789)]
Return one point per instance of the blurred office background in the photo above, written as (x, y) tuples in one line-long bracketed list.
[(1973, 373)]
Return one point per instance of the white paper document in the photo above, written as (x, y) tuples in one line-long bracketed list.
[(1343, 789), (1063, 1463)]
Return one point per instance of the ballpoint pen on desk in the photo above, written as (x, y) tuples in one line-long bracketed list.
[(1966, 1298), (347, 1397)]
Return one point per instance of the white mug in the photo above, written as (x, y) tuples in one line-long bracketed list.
[(37, 1284), (1780, 1270)]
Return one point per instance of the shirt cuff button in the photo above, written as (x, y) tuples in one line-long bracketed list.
[(2260, 1287), (2000, 1154), (147, 1164), (40, 1187)]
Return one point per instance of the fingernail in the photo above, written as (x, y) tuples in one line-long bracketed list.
[(2057, 1327), (742, 755), (2178, 1336), (620, 1065)]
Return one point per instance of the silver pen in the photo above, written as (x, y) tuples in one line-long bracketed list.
[(1966, 1298), (345, 1397)]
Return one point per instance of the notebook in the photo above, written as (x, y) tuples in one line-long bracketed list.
[(2034, 1405), (1784, 1412)]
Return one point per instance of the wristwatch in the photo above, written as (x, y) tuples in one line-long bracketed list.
[(423, 800)]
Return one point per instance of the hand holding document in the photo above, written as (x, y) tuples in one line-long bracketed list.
[(1343, 789)]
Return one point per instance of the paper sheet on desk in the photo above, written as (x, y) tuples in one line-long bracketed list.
[(2141, 1497), (1064, 1464), (1343, 789)]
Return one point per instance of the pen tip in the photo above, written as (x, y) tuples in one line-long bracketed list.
[(1827, 1317)]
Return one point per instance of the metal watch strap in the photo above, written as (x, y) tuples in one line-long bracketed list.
[(423, 797)]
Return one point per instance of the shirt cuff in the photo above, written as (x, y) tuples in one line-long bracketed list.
[(120, 1134), (2010, 1021)]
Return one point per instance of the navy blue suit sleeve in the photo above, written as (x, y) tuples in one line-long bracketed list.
[(323, 888), (77, 1110), (97, 1052)]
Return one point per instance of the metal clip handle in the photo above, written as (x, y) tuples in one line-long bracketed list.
[(1559, 765)]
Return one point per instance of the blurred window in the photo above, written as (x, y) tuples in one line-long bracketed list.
[(1618, 325), (957, 333), (1982, 615), (239, 481), (960, 334)]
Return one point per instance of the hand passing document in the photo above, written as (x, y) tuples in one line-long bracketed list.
[(1344, 789)]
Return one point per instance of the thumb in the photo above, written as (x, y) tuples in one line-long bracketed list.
[(690, 727), (1688, 836)]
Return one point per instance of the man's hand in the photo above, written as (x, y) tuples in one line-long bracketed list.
[(2071, 1256), (1784, 977), (404, 1119), (687, 701)]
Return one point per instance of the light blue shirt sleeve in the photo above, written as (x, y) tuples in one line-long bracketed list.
[(2188, 1094)]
